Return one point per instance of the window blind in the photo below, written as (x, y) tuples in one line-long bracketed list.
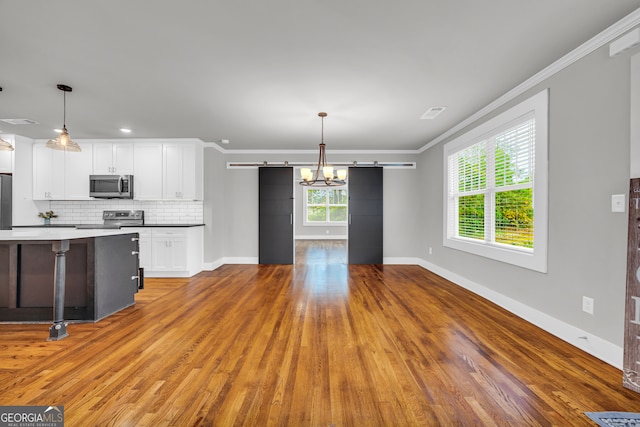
[(491, 187)]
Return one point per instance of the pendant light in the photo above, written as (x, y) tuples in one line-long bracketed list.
[(328, 178), (4, 145), (63, 142)]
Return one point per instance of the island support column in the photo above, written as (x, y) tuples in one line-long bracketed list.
[(58, 329)]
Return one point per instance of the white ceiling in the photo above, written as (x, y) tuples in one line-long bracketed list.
[(257, 72)]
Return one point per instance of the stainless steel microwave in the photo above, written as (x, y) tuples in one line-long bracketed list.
[(111, 186)]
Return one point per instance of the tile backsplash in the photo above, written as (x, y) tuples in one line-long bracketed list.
[(155, 212)]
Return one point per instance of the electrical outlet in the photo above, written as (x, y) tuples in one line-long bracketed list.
[(587, 305), (618, 203), (430, 251)]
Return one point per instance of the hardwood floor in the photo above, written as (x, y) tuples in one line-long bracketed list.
[(320, 343)]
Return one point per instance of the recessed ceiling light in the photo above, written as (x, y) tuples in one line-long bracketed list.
[(125, 130), (224, 141), (432, 113)]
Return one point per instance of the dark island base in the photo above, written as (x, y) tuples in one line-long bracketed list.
[(101, 278)]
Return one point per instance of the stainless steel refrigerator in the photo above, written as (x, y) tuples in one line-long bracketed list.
[(5, 202)]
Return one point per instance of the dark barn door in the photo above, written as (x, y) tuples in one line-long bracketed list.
[(276, 215), (365, 215)]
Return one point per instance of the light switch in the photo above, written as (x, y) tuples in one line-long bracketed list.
[(617, 203)]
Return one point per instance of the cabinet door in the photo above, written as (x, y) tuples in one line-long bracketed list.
[(48, 173), (123, 159), (169, 249), (161, 255), (173, 171), (188, 190), (77, 170), (103, 159), (147, 171), (169, 254), (178, 254)]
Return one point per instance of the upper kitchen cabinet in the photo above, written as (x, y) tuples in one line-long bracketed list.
[(147, 171), (61, 175), (6, 157), (183, 174), (113, 159)]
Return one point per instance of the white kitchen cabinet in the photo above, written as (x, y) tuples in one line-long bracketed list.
[(147, 171), (182, 165), (170, 251), (48, 173), (77, 168), (7, 157), (61, 175), (113, 159)]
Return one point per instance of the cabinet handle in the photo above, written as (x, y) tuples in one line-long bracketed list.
[(135, 239), (135, 253), (135, 277)]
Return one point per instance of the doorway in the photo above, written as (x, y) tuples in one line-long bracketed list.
[(281, 219)]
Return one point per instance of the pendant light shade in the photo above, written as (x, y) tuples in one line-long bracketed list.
[(5, 146), (329, 179), (63, 141)]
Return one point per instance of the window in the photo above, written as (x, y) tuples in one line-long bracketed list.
[(496, 187), (326, 206)]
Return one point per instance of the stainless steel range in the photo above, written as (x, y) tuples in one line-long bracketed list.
[(117, 219)]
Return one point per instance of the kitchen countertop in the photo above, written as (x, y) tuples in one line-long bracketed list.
[(56, 233)]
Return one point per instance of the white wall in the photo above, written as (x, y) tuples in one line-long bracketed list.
[(589, 161), (237, 191)]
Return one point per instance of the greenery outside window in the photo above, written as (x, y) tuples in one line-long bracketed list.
[(496, 187), (325, 206)]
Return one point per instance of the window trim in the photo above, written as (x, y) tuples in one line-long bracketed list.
[(308, 223), (535, 259)]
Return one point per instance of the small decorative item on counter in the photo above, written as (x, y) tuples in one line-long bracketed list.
[(47, 216)]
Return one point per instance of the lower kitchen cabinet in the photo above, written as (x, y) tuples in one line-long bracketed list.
[(171, 251)]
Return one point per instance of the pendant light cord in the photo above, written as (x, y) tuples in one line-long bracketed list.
[(64, 109)]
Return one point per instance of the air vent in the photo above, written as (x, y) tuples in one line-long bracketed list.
[(432, 113), (19, 121)]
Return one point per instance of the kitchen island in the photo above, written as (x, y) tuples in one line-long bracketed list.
[(80, 275)]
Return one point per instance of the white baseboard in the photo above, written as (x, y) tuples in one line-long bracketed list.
[(240, 260), (594, 345), (210, 266), (322, 237), (402, 260)]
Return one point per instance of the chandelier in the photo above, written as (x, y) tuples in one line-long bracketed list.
[(328, 178), (63, 141)]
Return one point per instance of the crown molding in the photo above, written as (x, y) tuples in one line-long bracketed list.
[(596, 42)]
